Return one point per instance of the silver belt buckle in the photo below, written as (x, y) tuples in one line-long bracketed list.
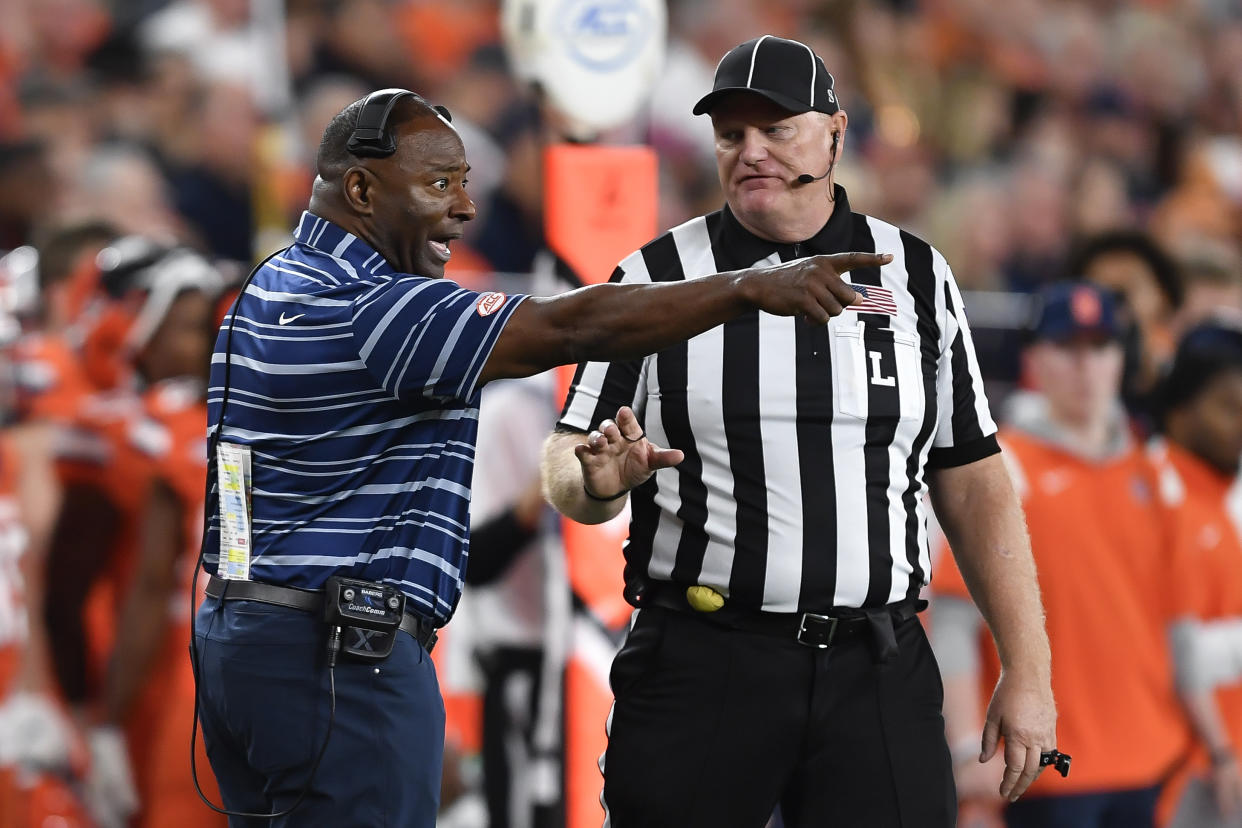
[(820, 633)]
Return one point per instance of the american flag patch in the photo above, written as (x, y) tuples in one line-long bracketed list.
[(875, 300)]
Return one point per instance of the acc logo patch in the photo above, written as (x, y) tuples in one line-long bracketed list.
[(604, 35), (490, 302)]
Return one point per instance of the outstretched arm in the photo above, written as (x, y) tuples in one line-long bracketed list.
[(605, 323)]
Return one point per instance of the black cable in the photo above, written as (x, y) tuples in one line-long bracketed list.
[(208, 509), (314, 768)]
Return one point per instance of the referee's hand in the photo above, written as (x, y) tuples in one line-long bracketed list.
[(1022, 715), (810, 287), (617, 456)]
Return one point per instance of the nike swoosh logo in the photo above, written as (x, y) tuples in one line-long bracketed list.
[(285, 321)]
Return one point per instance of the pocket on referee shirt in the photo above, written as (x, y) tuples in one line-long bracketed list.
[(876, 373)]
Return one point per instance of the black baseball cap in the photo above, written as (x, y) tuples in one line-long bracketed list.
[(786, 72), (1207, 350), (1073, 310)]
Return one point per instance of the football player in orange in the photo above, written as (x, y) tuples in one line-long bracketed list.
[(1100, 541), (132, 458), (37, 747), (50, 378), (149, 671)]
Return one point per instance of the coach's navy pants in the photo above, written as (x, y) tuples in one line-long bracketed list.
[(264, 691)]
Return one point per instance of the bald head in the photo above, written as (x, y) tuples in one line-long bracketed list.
[(334, 156)]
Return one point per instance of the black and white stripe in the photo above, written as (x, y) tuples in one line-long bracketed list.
[(806, 446)]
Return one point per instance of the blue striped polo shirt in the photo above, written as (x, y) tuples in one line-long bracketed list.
[(357, 390)]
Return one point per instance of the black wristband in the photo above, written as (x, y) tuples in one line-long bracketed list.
[(599, 499)]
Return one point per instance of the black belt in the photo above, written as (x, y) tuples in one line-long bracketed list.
[(422, 629), (811, 629)]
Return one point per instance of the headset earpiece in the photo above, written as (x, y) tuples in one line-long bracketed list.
[(371, 138)]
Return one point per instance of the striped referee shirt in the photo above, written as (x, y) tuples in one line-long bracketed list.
[(805, 446), (356, 389)]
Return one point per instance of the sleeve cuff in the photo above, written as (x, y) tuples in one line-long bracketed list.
[(950, 456), (506, 313), (563, 427)]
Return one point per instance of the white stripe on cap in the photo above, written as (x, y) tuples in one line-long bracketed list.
[(753, 54), (814, 70)]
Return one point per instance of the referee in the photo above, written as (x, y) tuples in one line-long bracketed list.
[(775, 657), (347, 378)]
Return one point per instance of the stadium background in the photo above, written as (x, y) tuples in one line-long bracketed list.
[(1002, 133), (1006, 134)]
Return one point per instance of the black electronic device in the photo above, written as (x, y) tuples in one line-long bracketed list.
[(1059, 761), (371, 137), (364, 617)]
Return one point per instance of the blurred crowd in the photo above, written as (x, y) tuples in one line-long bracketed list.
[(1006, 134), (152, 150)]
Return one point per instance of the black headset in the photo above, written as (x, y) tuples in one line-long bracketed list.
[(371, 138)]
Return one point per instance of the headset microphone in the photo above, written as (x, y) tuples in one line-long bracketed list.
[(807, 178)]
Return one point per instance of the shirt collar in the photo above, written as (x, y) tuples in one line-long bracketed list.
[(744, 248), (1029, 412), (328, 238)]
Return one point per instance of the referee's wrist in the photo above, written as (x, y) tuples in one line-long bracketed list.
[(599, 499)]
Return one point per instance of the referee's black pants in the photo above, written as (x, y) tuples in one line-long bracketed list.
[(715, 727)]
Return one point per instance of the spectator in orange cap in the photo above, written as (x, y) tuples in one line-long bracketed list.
[(1100, 545)]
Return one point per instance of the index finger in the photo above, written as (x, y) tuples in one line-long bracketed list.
[(841, 262)]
